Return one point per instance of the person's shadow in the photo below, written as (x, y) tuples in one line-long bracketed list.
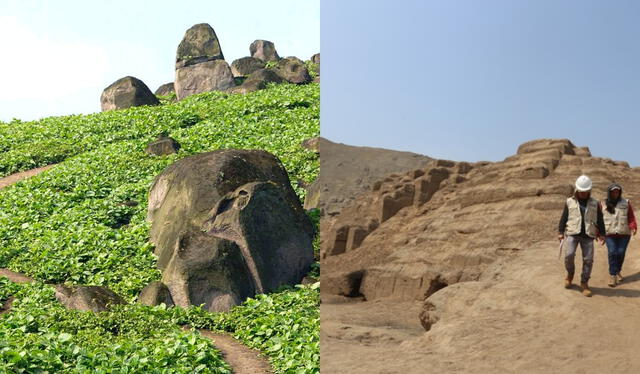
[(632, 278), (617, 291)]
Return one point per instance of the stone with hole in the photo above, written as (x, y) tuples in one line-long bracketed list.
[(227, 225)]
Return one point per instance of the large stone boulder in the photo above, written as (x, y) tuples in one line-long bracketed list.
[(227, 225), (264, 50), (85, 298), (203, 77), (165, 89), (245, 66), (293, 70), (125, 93), (258, 80), (199, 44)]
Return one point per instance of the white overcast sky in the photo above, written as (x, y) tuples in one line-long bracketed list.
[(58, 56)]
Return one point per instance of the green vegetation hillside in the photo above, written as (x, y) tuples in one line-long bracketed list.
[(75, 223)]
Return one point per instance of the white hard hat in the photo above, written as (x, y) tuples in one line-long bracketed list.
[(583, 183)]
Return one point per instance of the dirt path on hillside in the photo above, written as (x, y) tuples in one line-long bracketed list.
[(13, 178), (242, 359), (517, 319)]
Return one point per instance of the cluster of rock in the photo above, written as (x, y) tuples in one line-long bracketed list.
[(415, 233), (200, 67)]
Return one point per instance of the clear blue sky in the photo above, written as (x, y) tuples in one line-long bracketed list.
[(58, 56), (471, 80)]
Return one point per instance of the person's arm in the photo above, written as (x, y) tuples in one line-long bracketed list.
[(563, 221), (633, 225)]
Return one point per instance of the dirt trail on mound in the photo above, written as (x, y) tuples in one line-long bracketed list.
[(242, 359), (13, 178), (517, 318)]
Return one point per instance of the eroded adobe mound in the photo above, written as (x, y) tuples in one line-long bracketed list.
[(346, 171), (415, 233)]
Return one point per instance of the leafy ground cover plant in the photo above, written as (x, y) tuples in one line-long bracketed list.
[(40, 336), (72, 223), (83, 222)]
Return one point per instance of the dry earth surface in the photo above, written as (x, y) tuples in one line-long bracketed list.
[(346, 171), (453, 269)]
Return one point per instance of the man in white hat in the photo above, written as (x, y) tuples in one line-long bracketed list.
[(581, 223)]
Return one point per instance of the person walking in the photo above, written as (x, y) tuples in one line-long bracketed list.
[(620, 223), (581, 223)]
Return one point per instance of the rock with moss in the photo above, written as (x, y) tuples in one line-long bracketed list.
[(293, 70), (258, 80), (87, 298), (315, 59), (165, 89), (162, 146), (227, 225), (264, 50), (155, 293), (199, 44), (125, 93), (203, 77), (245, 66)]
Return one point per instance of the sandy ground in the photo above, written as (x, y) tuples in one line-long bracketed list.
[(517, 319)]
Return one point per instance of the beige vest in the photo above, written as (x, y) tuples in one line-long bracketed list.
[(618, 222), (575, 219)]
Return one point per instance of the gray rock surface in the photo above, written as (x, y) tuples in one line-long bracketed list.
[(245, 66), (264, 50), (125, 93), (87, 298), (227, 225), (293, 70), (199, 44), (165, 89), (203, 77)]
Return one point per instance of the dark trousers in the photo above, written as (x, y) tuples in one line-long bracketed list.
[(617, 247)]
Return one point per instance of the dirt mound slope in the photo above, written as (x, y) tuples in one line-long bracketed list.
[(346, 171), (470, 246)]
